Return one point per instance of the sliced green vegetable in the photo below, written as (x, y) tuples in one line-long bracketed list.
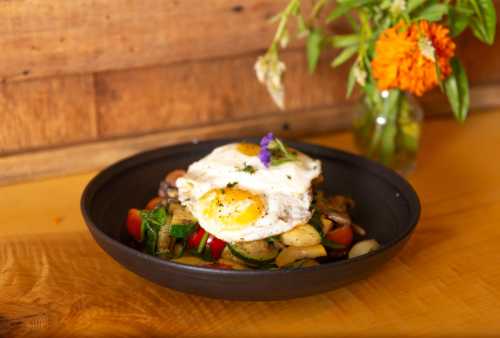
[(331, 244), (152, 222), (181, 215), (151, 240), (182, 230), (202, 244), (179, 249), (254, 252), (315, 221), (164, 240), (207, 254)]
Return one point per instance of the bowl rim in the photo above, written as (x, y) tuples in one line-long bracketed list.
[(390, 176)]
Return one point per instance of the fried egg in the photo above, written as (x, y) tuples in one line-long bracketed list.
[(236, 198)]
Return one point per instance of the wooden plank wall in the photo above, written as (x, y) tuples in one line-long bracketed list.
[(87, 75)]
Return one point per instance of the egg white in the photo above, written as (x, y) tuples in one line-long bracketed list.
[(284, 189)]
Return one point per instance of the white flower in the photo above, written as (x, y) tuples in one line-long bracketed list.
[(269, 70), (360, 75), (285, 39), (397, 7), (427, 49)]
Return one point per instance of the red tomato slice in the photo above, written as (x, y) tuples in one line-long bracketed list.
[(216, 246), (153, 203), (195, 238), (341, 235), (134, 222)]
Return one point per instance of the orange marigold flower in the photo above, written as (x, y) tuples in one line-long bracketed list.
[(406, 56)]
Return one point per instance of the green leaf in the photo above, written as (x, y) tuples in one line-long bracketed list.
[(458, 20), (457, 90), (414, 4), (433, 12), (483, 24), (337, 13), (344, 6), (341, 41), (302, 29), (351, 80), (344, 55), (152, 221), (352, 22), (156, 217), (314, 42)]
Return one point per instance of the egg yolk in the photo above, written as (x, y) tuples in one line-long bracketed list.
[(248, 149), (233, 208)]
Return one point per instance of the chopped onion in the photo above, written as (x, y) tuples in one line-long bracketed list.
[(363, 247)]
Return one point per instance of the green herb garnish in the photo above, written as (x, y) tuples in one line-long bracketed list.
[(152, 221), (248, 169), (280, 153), (231, 184)]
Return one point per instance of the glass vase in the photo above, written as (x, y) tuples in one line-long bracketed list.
[(387, 129)]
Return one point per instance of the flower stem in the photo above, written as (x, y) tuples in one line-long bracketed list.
[(382, 145)]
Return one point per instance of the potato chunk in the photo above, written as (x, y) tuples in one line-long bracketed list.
[(294, 253), (302, 235)]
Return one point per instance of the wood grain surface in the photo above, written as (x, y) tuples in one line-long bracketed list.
[(208, 92), (90, 156), (46, 38), (163, 65), (55, 281), (50, 38), (44, 113)]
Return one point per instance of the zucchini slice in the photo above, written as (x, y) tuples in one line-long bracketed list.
[(254, 252), (181, 215), (164, 240), (182, 230)]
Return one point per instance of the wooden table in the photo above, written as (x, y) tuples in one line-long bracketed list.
[(55, 280)]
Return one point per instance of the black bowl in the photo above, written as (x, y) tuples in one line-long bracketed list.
[(386, 206)]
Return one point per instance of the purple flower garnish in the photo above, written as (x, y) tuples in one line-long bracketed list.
[(265, 154), (274, 152)]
